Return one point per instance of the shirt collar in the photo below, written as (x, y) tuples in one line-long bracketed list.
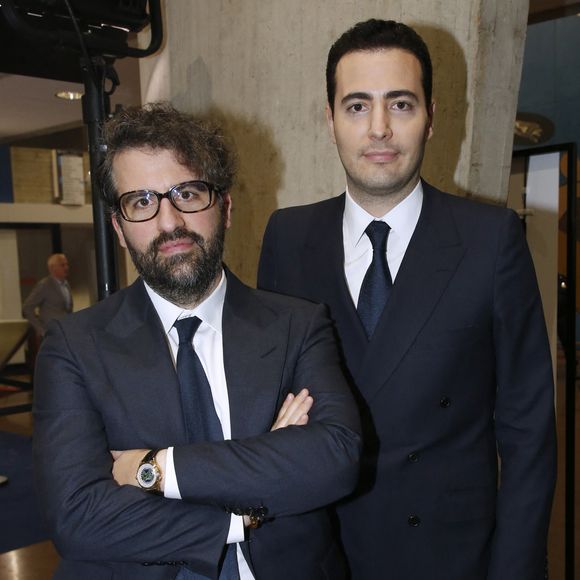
[(401, 218), (209, 311)]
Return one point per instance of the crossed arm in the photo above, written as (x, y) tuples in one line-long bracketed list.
[(294, 411), (83, 409)]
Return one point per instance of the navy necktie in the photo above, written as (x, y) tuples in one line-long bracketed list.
[(201, 420), (377, 282)]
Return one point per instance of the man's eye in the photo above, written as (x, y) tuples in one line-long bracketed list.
[(402, 106), (356, 108), (143, 202), (138, 202), (188, 195)]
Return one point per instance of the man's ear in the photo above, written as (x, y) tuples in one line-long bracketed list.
[(431, 113), (227, 209), (115, 219), (330, 123)]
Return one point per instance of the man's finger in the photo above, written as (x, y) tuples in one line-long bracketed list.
[(293, 409)]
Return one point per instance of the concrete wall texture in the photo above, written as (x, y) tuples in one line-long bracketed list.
[(258, 68)]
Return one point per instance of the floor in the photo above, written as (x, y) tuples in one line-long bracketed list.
[(38, 562)]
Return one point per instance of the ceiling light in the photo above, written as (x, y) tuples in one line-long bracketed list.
[(69, 95)]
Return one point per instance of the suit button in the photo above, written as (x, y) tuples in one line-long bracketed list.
[(444, 402), (413, 457), (414, 521)]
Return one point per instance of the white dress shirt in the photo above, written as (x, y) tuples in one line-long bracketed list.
[(208, 344), (358, 250)]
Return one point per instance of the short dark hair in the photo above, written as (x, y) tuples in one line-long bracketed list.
[(373, 35), (196, 144)]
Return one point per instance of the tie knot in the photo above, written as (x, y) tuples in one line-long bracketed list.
[(186, 328), (378, 232)]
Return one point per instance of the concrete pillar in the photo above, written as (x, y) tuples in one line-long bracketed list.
[(10, 302), (258, 67)]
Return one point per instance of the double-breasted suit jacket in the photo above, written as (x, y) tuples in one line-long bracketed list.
[(106, 380), (457, 370)]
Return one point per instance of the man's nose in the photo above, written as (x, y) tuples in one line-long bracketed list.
[(380, 124), (169, 217)]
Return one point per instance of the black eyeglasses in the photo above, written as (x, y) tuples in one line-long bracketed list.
[(188, 197)]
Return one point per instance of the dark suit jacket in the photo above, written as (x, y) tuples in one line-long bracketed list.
[(105, 380), (48, 297), (458, 365)]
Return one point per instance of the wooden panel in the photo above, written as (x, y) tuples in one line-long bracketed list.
[(32, 174)]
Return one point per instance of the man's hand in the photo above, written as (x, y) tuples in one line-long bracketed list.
[(294, 411), (127, 462)]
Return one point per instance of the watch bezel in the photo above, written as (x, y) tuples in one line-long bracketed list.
[(145, 484), (149, 464)]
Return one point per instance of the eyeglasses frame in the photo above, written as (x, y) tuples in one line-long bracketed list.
[(213, 193)]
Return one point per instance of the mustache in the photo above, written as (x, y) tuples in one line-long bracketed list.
[(180, 233)]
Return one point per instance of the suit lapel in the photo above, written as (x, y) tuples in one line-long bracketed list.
[(134, 339), (255, 340), (323, 266), (430, 262)]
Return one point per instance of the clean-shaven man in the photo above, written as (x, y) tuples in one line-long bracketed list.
[(437, 309)]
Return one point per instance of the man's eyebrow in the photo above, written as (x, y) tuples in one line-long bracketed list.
[(360, 95), (356, 96), (401, 93)]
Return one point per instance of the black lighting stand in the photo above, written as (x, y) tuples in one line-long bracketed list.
[(96, 108), (98, 31)]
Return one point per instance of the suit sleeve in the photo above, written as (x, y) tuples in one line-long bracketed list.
[(292, 470), (524, 414), (33, 301), (89, 516)]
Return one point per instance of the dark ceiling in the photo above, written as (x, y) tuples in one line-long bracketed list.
[(542, 10)]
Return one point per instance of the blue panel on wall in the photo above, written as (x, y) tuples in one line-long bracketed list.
[(5, 175)]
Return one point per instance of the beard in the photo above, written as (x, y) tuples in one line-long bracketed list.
[(183, 279)]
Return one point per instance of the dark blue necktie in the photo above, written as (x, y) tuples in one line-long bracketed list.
[(377, 282), (201, 420)]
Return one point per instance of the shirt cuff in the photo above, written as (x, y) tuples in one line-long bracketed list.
[(171, 489), (237, 532)]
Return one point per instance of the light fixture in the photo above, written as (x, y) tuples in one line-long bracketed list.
[(69, 95)]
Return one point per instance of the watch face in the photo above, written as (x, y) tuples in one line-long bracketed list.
[(147, 475)]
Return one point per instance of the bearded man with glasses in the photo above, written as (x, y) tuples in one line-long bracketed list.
[(188, 426)]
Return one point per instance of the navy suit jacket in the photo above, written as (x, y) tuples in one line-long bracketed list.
[(105, 380), (458, 368)]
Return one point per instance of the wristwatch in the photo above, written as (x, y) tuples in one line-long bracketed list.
[(148, 473)]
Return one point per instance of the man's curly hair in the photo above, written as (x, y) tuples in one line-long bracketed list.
[(198, 145)]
